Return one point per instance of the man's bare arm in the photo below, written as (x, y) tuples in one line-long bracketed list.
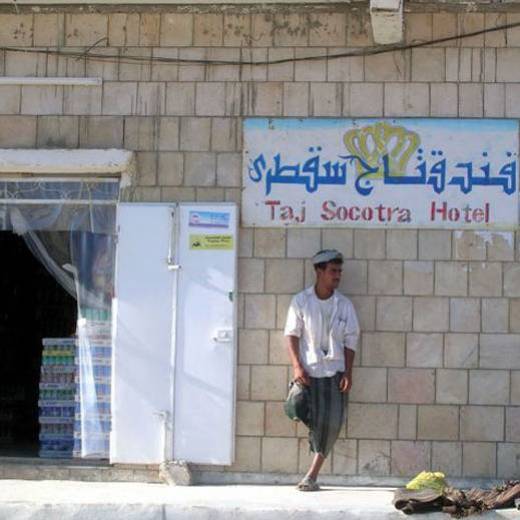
[(346, 381), (349, 360), (293, 347)]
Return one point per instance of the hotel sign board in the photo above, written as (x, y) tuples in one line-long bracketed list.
[(436, 173)]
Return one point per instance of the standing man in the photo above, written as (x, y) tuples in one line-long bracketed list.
[(321, 335)]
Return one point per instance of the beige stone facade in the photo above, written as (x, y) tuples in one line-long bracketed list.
[(437, 377)]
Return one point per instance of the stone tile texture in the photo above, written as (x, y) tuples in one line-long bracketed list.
[(436, 381)]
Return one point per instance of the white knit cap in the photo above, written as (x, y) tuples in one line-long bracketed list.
[(326, 255)]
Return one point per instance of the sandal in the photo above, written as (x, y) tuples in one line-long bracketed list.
[(308, 484)]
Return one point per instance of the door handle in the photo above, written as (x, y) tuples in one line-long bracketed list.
[(223, 336), (172, 266)]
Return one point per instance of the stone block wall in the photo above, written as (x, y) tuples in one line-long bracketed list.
[(435, 381), (437, 377)]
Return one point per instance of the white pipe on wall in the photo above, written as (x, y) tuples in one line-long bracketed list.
[(86, 82)]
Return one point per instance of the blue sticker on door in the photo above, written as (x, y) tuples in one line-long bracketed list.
[(211, 219)]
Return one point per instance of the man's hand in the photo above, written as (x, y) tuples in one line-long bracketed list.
[(301, 376), (345, 383)]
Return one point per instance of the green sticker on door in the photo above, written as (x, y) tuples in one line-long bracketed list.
[(205, 242)]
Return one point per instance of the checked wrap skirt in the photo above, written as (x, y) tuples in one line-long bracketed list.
[(327, 409)]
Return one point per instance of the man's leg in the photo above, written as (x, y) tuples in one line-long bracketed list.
[(317, 463), (308, 483)]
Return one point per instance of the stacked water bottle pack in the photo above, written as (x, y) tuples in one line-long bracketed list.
[(56, 401), (94, 369)]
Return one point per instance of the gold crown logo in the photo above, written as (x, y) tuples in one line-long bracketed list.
[(372, 142)]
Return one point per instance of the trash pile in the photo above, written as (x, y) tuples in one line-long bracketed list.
[(429, 491)]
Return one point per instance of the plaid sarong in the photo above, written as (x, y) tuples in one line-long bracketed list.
[(327, 413)]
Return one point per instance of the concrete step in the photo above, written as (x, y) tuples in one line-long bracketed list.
[(72, 469), (63, 500)]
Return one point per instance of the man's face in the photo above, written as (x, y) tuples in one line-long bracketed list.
[(330, 277)]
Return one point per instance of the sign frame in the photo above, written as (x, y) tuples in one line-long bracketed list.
[(380, 173)]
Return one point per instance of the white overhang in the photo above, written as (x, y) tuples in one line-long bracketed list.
[(62, 162)]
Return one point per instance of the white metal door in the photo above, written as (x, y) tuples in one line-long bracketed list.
[(142, 378), (204, 402)]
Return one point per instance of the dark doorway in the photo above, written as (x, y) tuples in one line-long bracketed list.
[(33, 306)]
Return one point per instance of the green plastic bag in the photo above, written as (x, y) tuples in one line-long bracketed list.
[(297, 404), (428, 480)]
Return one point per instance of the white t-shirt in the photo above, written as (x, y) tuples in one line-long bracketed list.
[(326, 308)]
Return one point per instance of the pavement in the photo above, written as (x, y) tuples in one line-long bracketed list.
[(63, 500)]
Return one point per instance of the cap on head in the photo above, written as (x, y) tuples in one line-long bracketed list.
[(327, 255)]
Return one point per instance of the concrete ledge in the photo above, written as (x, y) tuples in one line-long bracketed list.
[(101, 471), (75, 469), (61, 500), (289, 6)]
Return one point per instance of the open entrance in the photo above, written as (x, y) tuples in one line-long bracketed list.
[(33, 306), (57, 239)]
